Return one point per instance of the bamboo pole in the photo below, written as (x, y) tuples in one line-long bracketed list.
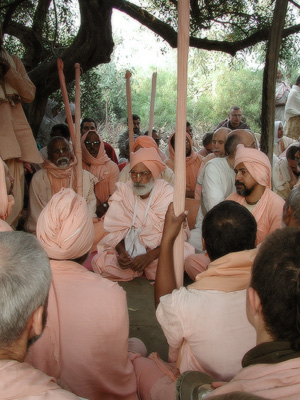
[(153, 92), (180, 133), (129, 110), (78, 150)]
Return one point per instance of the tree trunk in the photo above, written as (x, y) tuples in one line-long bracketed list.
[(92, 46), (269, 79)]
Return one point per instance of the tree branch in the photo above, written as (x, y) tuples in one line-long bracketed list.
[(170, 35)]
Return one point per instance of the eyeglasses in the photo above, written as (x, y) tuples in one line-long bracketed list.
[(143, 175), (90, 144)]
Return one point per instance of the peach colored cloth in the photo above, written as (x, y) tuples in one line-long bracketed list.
[(64, 227), (209, 327), (6, 201), (256, 162), (145, 142), (267, 213), (22, 381), (228, 273), (16, 138), (198, 187), (105, 170), (41, 191), (268, 210), (271, 381), (195, 264), (193, 162), (87, 349), (150, 158), (118, 220)]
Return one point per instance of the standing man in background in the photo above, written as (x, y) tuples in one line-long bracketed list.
[(18, 148)]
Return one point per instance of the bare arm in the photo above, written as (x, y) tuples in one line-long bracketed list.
[(165, 277)]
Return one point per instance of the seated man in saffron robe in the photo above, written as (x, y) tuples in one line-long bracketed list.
[(85, 342), (253, 190), (272, 368), (96, 161), (58, 171), (134, 221), (193, 163), (25, 279), (205, 324)]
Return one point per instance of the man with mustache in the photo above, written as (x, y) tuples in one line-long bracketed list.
[(57, 171), (253, 190), (134, 221)]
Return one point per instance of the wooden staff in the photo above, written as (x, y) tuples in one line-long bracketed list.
[(153, 92), (78, 150), (63, 88), (180, 133), (129, 110)]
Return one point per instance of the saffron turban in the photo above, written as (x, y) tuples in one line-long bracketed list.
[(150, 158), (145, 142), (256, 162), (64, 227), (6, 201)]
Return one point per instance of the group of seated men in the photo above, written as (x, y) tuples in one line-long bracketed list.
[(244, 298)]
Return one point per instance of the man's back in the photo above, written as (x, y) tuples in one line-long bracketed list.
[(88, 354), (213, 324), (22, 381)]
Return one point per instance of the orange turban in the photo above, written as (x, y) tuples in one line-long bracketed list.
[(64, 227), (150, 158), (145, 142), (256, 162), (6, 201)]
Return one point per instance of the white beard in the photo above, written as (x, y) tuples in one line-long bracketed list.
[(63, 163), (141, 189)]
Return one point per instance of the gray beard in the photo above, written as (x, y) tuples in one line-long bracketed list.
[(141, 189)]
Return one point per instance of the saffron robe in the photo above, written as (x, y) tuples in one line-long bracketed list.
[(267, 212), (118, 221), (87, 349), (22, 381)]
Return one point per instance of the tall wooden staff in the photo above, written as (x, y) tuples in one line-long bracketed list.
[(78, 150), (129, 110), (63, 88), (180, 133), (153, 92)]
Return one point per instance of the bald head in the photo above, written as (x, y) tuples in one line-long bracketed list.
[(218, 141), (239, 136)]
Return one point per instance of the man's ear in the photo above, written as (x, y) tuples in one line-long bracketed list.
[(254, 301), (37, 322), (288, 216), (203, 244)]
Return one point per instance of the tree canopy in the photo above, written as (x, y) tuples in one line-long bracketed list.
[(48, 29)]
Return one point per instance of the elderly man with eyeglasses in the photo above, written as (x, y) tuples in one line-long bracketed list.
[(57, 171), (96, 161), (134, 221)]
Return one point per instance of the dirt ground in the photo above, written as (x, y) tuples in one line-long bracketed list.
[(143, 323), (142, 319)]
